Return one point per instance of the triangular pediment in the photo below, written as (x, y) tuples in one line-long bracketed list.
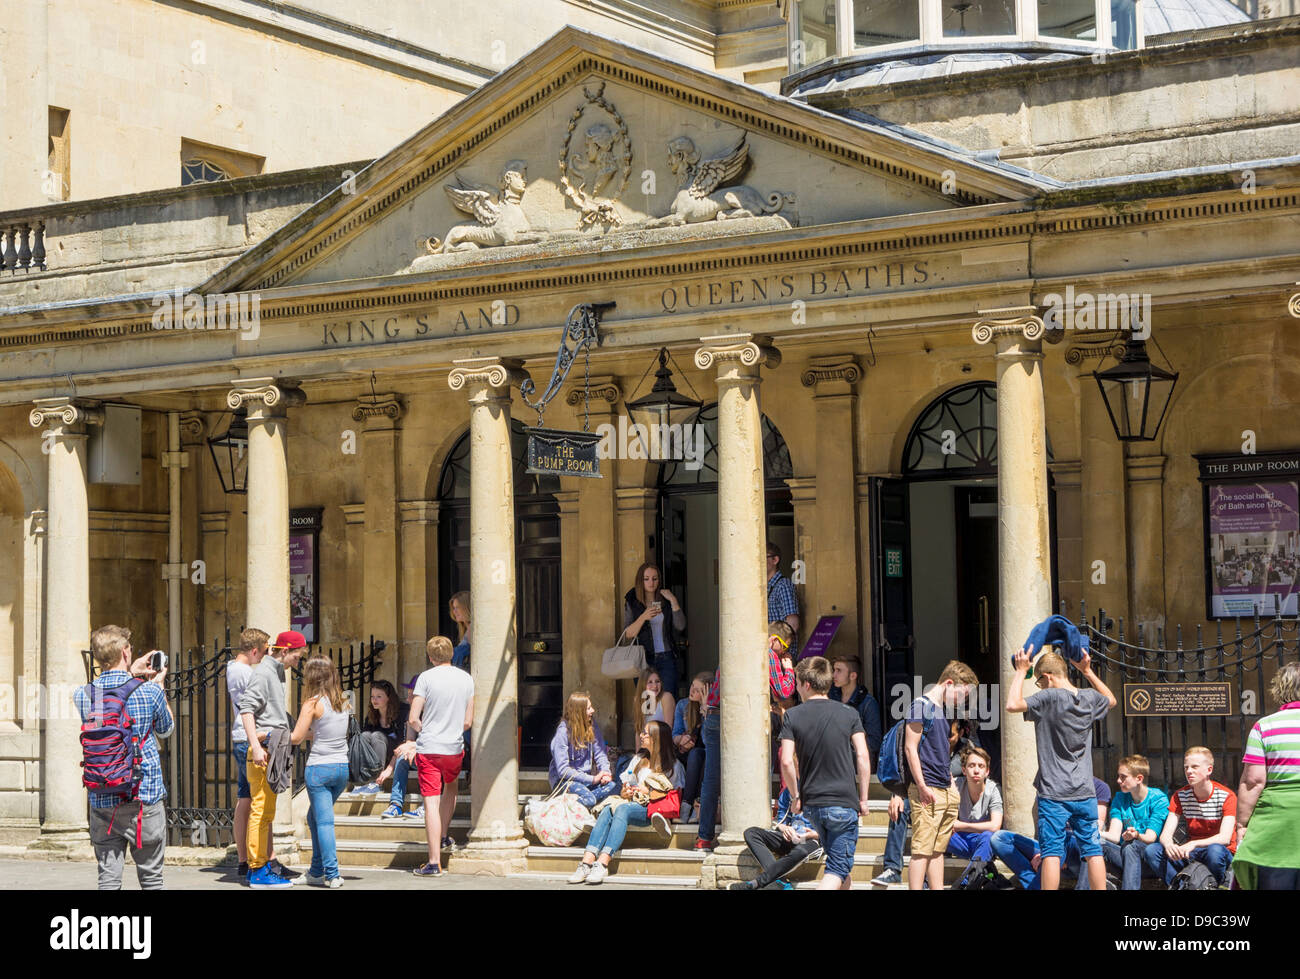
[(587, 143)]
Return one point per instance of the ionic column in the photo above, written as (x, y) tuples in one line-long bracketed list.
[(381, 557), (64, 423), (742, 566), (266, 400), (496, 837), (1024, 542)]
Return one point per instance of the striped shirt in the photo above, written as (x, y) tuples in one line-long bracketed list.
[(148, 707), (1204, 819), (1274, 742)]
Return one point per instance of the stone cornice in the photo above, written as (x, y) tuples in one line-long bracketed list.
[(1144, 469), (742, 349)]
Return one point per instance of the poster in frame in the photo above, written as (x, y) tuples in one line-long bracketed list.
[(304, 571), (1251, 508)]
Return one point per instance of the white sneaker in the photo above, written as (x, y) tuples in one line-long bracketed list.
[(580, 875), (313, 879), (661, 826), (598, 873), (334, 882)]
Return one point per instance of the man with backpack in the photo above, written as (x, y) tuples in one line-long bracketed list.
[(121, 711)]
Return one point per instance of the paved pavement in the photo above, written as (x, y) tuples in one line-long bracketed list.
[(40, 875)]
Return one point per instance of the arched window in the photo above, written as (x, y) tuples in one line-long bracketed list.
[(703, 467), (454, 482), (957, 435)]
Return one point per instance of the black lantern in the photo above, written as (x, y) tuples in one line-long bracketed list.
[(1136, 393), (230, 454), (664, 402)]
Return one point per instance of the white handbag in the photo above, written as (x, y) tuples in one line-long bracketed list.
[(623, 662), (557, 820)]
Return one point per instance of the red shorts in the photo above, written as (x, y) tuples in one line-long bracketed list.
[(437, 770)]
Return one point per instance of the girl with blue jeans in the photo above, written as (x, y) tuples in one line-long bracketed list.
[(578, 754), (688, 738), (654, 757), (324, 719)]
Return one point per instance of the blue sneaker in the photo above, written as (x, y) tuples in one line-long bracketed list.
[(417, 813), (394, 811), (428, 870), (370, 788), (262, 879)]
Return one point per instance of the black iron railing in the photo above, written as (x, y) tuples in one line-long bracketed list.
[(197, 760), (1247, 658)]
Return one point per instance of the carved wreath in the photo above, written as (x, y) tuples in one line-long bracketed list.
[(595, 209)]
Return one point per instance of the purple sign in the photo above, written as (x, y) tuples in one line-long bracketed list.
[(820, 640), (302, 584), (1254, 547)]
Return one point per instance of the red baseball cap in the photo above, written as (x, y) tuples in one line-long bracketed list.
[(290, 640)]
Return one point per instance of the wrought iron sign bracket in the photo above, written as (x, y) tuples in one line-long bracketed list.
[(582, 329)]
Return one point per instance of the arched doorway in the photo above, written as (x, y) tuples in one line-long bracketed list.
[(688, 530), (537, 584), (935, 537)]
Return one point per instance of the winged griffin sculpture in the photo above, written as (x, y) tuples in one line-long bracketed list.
[(499, 216), (704, 189)]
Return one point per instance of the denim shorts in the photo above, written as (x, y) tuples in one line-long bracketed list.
[(240, 750), (1080, 814), (837, 831)]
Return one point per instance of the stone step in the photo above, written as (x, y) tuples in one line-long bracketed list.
[(349, 829)]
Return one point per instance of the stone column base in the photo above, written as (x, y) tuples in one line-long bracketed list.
[(63, 844), (492, 858), (726, 865)]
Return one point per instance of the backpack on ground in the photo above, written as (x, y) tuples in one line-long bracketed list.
[(111, 755), (1194, 877), (366, 752), (979, 875), (894, 773)]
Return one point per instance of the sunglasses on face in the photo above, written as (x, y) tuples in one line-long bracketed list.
[(784, 644)]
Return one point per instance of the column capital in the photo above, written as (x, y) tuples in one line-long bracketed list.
[(1080, 353), (194, 426), (418, 511), (603, 388), (74, 414), (821, 371), (1143, 469), (738, 349), (263, 396), (487, 377), (1007, 322), (373, 409), (354, 514)]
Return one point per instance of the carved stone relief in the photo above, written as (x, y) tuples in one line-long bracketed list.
[(704, 189)]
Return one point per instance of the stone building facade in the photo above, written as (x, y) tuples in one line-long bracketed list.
[(844, 277)]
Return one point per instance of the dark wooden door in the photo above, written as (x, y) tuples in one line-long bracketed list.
[(891, 591), (977, 579)]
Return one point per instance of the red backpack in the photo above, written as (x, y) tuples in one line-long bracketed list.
[(110, 746)]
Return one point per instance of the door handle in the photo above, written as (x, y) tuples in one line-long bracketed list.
[(984, 623), (540, 646)]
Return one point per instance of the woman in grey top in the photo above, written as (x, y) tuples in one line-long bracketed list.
[(324, 719)]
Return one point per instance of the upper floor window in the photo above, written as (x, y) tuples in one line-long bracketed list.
[(201, 172)]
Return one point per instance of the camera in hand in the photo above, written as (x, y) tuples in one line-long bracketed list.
[(157, 661)]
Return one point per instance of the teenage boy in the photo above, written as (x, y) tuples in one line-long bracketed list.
[(847, 690), (1136, 818), (1209, 811), (931, 793), (979, 810), (1023, 858), (781, 850), (252, 647), (826, 740), (114, 824), (442, 710), (1063, 716), (266, 726)]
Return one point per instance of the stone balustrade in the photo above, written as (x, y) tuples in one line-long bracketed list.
[(22, 247)]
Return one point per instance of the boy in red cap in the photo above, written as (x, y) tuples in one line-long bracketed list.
[(263, 713)]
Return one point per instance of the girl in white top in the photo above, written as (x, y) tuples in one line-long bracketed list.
[(324, 719), (657, 704)]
